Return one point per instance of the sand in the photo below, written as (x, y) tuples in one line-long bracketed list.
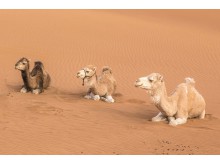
[(134, 43)]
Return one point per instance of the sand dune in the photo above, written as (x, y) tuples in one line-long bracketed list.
[(134, 43)]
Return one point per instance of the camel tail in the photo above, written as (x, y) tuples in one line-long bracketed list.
[(190, 81)]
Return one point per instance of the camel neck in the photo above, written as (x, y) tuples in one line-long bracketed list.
[(91, 81), (164, 91), (160, 91), (25, 76), (162, 101)]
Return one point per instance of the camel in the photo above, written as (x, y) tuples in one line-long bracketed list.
[(35, 81), (99, 87), (186, 102)]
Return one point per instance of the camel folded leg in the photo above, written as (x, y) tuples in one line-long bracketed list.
[(178, 121), (96, 97), (39, 89), (92, 96), (89, 95), (159, 117), (202, 115), (108, 99), (24, 90), (36, 91)]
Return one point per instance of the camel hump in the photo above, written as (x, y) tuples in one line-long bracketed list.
[(106, 69), (39, 63), (37, 70), (190, 81)]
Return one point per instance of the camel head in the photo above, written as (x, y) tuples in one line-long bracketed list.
[(87, 71), (150, 82), (22, 64)]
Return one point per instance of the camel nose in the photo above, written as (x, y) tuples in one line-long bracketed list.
[(137, 83)]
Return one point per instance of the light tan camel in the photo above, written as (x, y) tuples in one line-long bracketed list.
[(35, 81), (184, 103), (99, 87)]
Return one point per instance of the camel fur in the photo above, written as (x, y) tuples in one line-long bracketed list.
[(35, 81), (186, 102), (99, 87)]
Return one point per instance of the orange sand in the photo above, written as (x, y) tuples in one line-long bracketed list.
[(134, 43)]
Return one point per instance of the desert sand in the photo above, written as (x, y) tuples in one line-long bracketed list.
[(134, 43)]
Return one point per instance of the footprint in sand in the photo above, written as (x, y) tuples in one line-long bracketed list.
[(169, 148)]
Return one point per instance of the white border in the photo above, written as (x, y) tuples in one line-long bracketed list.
[(108, 160), (109, 4)]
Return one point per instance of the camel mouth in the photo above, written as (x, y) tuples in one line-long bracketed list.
[(138, 85), (142, 87), (80, 76), (17, 68)]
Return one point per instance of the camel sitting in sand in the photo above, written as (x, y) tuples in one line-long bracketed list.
[(35, 81), (99, 87), (184, 103)]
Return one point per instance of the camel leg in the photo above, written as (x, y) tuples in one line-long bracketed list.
[(96, 97), (202, 115), (89, 96), (109, 99), (170, 119), (92, 96), (24, 90), (159, 117), (39, 88), (36, 91), (178, 121)]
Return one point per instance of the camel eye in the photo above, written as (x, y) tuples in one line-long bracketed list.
[(150, 80), (87, 71)]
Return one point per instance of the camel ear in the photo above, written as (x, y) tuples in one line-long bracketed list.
[(110, 70), (94, 68), (160, 77), (25, 61)]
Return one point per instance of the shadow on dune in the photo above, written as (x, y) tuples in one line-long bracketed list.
[(210, 117), (15, 88), (147, 115)]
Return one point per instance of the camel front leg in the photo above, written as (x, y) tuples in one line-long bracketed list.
[(23, 90), (202, 115), (182, 113), (92, 96), (96, 97), (39, 89), (89, 95), (108, 99), (178, 121), (159, 117)]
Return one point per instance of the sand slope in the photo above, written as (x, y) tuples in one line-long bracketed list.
[(134, 43)]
